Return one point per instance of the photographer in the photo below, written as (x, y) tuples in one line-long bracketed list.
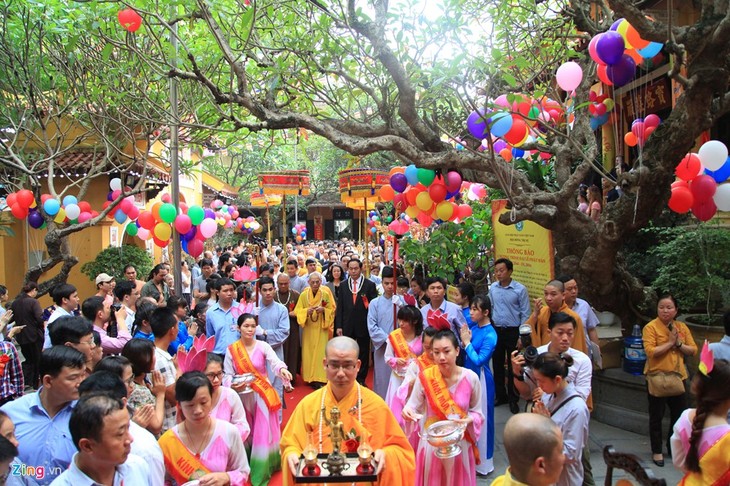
[(109, 322), (562, 329)]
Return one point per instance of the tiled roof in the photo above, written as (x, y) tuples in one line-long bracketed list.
[(77, 164)]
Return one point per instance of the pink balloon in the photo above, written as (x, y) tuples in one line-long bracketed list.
[(183, 223), (592, 50), (143, 234), (208, 227), (502, 101), (133, 213), (83, 217), (704, 210), (453, 181), (652, 121), (569, 76), (126, 205)]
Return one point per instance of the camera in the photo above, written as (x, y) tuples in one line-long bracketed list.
[(527, 349), (116, 307)]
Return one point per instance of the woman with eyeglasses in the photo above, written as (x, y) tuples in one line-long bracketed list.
[(226, 403), (261, 401), (446, 392)]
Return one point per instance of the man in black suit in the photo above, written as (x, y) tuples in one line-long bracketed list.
[(351, 318)]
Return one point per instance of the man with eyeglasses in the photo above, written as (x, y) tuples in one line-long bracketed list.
[(75, 332), (361, 410)]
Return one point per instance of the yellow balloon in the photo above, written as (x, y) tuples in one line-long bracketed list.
[(163, 231), (444, 210), (424, 201), (412, 211), (60, 216), (609, 103)]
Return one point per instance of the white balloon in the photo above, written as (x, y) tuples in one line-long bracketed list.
[(115, 184), (713, 154), (722, 197), (72, 211)]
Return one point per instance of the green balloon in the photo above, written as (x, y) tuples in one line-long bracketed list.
[(426, 176), (196, 214), (168, 213), (132, 229)]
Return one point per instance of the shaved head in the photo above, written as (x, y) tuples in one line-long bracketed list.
[(557, 284), (527, 438), (342, 343)]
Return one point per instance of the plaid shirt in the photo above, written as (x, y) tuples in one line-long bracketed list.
[(165, 365), (12, 377)]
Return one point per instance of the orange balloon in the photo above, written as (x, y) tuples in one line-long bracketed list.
[(630, 139), (506, 154), (397, 170), (387, 193), (634, 54), (632, 35), (603, 76), (156, 211), (411, 194)]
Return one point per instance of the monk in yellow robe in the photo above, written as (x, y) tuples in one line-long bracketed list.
[(364, 416), (552, 302), (315, 313)]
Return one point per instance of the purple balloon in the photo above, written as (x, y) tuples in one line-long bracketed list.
[(614, 26), (499, 145), (209, 213), (398, 182), (110, 196), (190, 234), (610, 47), (35, 220), (477, 124), (231, 209), (622, 72)]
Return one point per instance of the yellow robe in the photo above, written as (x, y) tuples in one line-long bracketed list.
[(378, 424), (541, 333), (316, 333)]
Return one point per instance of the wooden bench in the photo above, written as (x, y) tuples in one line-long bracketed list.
[(632, 465)]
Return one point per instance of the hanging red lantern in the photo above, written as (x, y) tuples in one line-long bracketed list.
[(129, 19)]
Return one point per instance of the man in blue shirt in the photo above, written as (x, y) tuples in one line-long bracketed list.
[(510, 308), (41, 419), (440, 312), (220, 319), (274, 324)]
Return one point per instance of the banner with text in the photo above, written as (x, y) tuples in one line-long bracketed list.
[(528, 245)]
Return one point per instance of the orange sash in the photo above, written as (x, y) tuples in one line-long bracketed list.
[(424, 361), (713, 466), (179, 462), (400, 345), (441, 401), (261, 384)]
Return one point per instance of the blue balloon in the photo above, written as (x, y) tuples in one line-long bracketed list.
[(70, 200), (303, 234), (722, 174), (51, 207), (651, 50), (517, 153), (120, 217), (501, 123), (412, 175), (184, 245), (597, 121)]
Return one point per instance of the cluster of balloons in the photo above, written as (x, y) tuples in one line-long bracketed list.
[(374, 219), (23, 205), (300, 232), (703, 184), (618, 51), (641, 128), (248, 225), (600, 106), (401, 225), (514, 118), (424, 195), (129, 19)]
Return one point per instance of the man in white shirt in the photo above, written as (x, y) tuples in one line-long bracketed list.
[(585, 312), (99, 428), (127, 294), (66, 299)]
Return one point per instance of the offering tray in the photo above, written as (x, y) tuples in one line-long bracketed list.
[(349, 475)]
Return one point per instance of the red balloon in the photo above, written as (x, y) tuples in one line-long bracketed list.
[(518, 132), (411, 195), (129, 19), (680, 183), (703, 187), (46, 197), (20, 212), (400, 202), (25, 198), (84, 206), (11, 199), (464, 211), (704, 210), (195, 247), (424, 219), (146, 220), (689, 167), (437, 192), (159, 242), (602, 73), (681, 200)]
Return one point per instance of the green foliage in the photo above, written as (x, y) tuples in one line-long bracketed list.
[(540, 173), (114, 259), (689, 262), (451, 247)]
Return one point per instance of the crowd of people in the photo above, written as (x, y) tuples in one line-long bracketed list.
[(137, 384)]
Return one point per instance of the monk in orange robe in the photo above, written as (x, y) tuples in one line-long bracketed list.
[(552, 302), (364, 416)]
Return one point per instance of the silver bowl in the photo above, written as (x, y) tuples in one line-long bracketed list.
[(445, 436), (245, 379)]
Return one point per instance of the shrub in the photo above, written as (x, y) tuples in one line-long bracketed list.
[(114, 259)]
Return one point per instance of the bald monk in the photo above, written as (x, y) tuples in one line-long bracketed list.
[(534, 447), (554, 301), (373, 420)]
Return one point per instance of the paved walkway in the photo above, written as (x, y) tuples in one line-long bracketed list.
[(601, 435)]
